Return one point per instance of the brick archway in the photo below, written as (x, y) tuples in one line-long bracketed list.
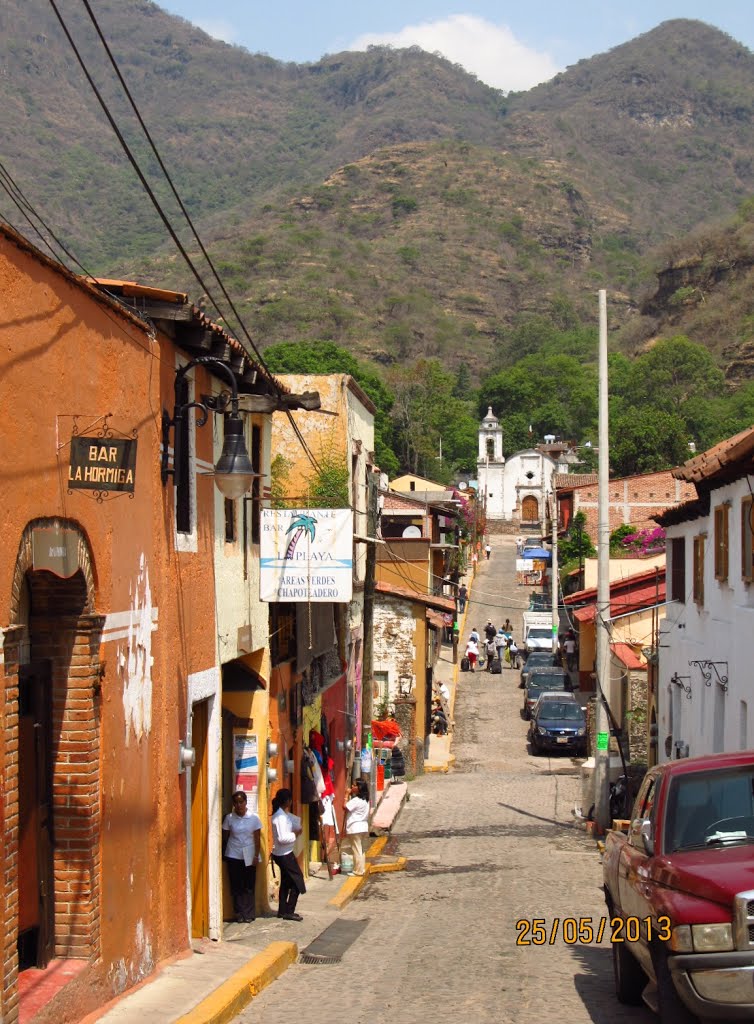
[(25, 561), (63, 633)]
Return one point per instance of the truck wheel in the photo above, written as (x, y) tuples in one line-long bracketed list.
[(671, 1010), (630, 979)]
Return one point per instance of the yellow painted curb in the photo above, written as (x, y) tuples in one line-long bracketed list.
[(237, 992), (377, 847), (397, 865), (435, 768), (349, 890)]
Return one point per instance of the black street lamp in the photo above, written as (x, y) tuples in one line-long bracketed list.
[(234, 472)]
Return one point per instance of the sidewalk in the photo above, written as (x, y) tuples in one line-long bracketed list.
[(213, 982), (439, 754)]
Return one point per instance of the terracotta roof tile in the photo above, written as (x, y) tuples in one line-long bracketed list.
[(445, 604), (720, 460)]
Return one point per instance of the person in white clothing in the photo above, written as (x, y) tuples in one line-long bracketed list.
[(472, 653), (285, 828), (241, 832), (357, 823)]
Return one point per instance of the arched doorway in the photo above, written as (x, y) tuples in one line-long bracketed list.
[(56, 710), (530, 509)]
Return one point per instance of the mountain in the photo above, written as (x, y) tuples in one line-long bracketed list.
[(233, 128), (387, 200)]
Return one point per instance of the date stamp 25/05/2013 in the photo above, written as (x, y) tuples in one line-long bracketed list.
[(538, 931)]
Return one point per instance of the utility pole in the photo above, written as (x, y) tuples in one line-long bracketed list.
[(367, 676), (602, 754), (554, 582)]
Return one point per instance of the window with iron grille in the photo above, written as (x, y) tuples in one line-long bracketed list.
[(699, 543), (721, 542), (678, 569)]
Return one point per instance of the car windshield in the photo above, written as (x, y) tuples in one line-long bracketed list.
[(544, 679), (539, 633), (534, 691), (710, 809), (564, 711)]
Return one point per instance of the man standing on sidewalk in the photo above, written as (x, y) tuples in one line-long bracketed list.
[(463, 594), (487, 550)]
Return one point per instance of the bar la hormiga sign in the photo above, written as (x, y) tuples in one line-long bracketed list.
[(102, 464), (306, 554)]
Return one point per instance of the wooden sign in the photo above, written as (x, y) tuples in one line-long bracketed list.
[(102, 464)]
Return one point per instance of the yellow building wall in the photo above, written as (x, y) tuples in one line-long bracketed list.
[(420, 483)]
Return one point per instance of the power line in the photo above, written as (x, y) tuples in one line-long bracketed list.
[(145, 184), (173, 189), (163, 216)]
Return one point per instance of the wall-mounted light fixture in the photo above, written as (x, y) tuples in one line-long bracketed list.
[(186, 757), (677, 680), (233, 472)]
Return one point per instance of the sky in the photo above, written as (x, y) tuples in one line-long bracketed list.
[(510, 46)]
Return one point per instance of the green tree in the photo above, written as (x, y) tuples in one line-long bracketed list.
[(425, 413), (577, 544), (647, 439), (328, 487), (554, 394), (673, 372)]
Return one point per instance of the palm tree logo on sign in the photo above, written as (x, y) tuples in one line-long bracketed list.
[(306, 555), (302, 524)]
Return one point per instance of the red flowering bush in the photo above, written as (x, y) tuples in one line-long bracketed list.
[(645, 542)]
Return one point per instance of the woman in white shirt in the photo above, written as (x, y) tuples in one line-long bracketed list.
[(285, 828), (357, 823), (241, 831)]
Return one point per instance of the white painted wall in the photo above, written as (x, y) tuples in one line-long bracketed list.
[(237, 599), (722, 631)]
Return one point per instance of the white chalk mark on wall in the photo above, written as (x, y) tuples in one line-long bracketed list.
[(135, 658)]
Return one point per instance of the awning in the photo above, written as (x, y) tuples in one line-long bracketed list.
[(238, 677), (436, 619), (627, 655), (536, 554)]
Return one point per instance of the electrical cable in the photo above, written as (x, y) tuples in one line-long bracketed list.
[(173, 189), (147, 188), (259, 358)]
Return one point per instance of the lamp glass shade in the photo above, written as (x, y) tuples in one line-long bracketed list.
[(234, 472)]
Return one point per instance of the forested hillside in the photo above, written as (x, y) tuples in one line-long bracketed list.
[(391, 205)]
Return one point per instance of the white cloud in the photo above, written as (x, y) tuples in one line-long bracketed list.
[(218, 29), (491, 52)]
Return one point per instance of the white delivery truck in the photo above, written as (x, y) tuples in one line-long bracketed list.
[(537, 631)]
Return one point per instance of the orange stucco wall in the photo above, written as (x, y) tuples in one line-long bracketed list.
[(66, 360)]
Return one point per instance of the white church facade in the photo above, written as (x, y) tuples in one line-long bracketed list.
[(515, 490)]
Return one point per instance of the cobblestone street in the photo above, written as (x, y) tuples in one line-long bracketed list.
[(489, 844)]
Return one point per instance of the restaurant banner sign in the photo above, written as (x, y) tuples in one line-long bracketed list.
[(306, 555), (102, 464)]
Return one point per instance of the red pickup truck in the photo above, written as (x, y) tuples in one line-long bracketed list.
[(680, 891)]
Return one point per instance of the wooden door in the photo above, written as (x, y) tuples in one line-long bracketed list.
[(199, 823), (529, 509), (35, 877)]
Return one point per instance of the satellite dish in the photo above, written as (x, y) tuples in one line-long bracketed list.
[(462, 485), (412, 531)]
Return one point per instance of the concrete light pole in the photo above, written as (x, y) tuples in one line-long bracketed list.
[(602, 614)]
